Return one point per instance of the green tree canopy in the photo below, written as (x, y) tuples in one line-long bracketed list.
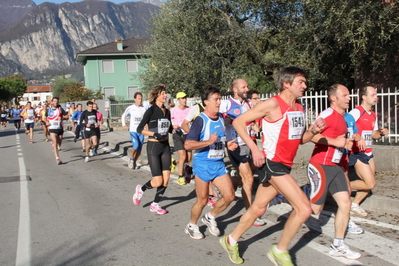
[(12, 87), (214, 41), (60, 84)]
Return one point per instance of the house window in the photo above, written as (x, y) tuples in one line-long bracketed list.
[(108, 66), (131, 91), (36, 98), (131, 66), (108, 92)]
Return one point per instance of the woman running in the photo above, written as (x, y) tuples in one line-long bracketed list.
[(157, 120)]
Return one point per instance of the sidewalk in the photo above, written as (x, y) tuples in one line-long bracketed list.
[(119, 141)]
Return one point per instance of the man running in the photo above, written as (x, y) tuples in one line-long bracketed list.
[(207, 137), (324, 171), (362, 160), (240, 158), (3, 117), (54, 116), (88, 122), (29, 120), (177, 115), (43, 120), (16, 115), (283, 128), (136, 112)]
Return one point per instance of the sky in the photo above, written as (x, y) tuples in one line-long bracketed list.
[(38, 2)]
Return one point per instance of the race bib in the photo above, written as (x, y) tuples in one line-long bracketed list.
[(366, 135), (296, 124), (163, 126), (136, 120), (337, 155), (216, 150), (55, 124), (91, 119)]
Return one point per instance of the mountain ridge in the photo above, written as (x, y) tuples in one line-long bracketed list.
[(49, 36)]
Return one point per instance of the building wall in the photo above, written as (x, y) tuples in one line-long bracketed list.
[(30, 96), (120, 79)]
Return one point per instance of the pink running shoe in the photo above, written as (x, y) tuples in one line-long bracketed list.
[(154, 207), (137, 196), (58, 161), (212, 201)]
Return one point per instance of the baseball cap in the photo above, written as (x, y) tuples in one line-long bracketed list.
[(180, 95)]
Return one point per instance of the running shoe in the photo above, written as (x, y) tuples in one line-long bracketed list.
[(238, 192), (181, 180), (27, 132), (232, 251), (344, 251), (212, 201), (277, 200), (154, 207), (233, 172), (130, 163), (282, 259), (58, 161), (354, 228), (46, 140), (212, 225), (259, 222), (95, 153), (59, 148), (137, 195), (86, 159), (193, 231), (359, 211), (83, 149), (31, 140), (74, 139), (173, 165), (91, 152)]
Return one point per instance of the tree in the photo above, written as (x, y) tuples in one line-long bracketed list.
[(200, 42), (12, 87), (60, 84), (75, 92)]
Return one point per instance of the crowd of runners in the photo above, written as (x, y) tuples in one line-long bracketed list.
[(50, 117), (204, 133)]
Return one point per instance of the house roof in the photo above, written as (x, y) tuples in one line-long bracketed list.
[(129, 47), (38, 89)]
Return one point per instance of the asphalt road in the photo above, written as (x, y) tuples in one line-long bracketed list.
[(81, 213)]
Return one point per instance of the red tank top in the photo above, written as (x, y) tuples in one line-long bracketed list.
[(281, 138)]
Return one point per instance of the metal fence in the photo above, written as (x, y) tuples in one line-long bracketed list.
[(315, 102)]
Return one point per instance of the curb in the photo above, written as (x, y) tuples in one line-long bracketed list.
[(372, 203)]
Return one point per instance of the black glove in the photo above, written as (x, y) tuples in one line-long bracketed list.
[(158, 136)]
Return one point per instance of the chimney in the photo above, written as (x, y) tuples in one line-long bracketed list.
[(119, 44)]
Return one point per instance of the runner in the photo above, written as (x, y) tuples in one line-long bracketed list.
[(37, 113), (16, 115), (43, 120), (54, 115), (88, 121), (72, 110), (207, 137), (78, 128), (256, 126), (362, 160), (29, 120), (157, 119), (98, 129), (324, 172), (240, 158), (3, 117), (136, 112), (194, 111), (178, 114), (283, 125)]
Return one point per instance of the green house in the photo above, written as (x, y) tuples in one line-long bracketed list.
[(114, 67)]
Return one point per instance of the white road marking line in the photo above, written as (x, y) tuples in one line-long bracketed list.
[(373, 244), (24, 235)]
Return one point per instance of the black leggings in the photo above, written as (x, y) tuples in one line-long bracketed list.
[(159, 157)]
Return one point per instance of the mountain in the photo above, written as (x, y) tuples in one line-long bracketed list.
[(48, 37), (12, 11)]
